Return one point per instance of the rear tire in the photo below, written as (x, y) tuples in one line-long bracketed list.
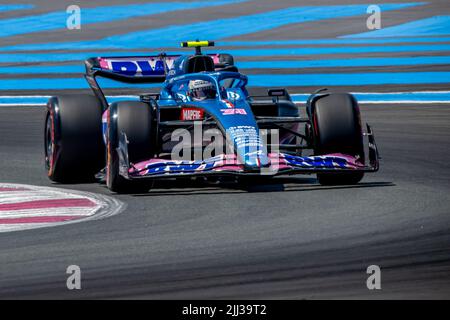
[(74, 149), (135, 119), (336, 124)]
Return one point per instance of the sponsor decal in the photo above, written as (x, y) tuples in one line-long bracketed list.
[(233, 95), (178, 167), (227, 112), (231, 162), (182, 97), (142, 67), (246, 136), (228, 104), (326, 161), (191, 114), (253, 153)]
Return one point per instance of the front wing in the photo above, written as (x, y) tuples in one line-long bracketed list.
[(229, 164)]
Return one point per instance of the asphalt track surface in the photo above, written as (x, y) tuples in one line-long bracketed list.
[(290, 238)]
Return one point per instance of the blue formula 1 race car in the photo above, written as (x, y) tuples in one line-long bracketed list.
[(204, 123)]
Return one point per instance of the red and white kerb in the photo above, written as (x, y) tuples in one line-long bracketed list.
[(28, 207)]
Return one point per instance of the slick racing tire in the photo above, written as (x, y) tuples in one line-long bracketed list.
[(336, 123), (74, 148), (135, 120)]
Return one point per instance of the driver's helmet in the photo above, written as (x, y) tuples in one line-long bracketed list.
[(201, 90)]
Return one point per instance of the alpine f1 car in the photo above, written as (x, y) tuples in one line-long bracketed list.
[(130, 143)]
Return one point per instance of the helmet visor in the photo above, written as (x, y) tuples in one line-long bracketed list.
[(203, 93)]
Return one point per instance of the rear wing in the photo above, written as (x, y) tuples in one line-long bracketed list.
[(138, 69), (143, 69)]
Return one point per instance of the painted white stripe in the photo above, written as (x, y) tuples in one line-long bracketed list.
[(82, 212), (23, 104), (40, 101), (11, 101), (25, 97), (26, 196), (404, 92), (295, 94), (392, 93), (394, 102), (416, 97), (24, 226), (48, 97), (405, 101), (297, 102)]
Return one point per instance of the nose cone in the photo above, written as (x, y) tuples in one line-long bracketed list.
[(254, 161), (242, 133), (249, 148)]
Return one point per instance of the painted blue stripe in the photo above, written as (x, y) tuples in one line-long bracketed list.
[(334, 41), (224, 28), (354, 62), (440, 96), (337, 50), (79, 68), (445, 96), (354, 79), (34, 100), (392, 97), (68, 46), (287, 64), (217, 29), (12, 7), (349, 79), (23, 100), (57, 20), (434, 26), (49, 57), (63, 83), (71, 56)]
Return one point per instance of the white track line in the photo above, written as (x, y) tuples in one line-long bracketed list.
[(395, 102), (409, 99), (297, 102), (355, 92)]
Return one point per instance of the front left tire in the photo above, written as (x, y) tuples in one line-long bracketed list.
[(74, 148)]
